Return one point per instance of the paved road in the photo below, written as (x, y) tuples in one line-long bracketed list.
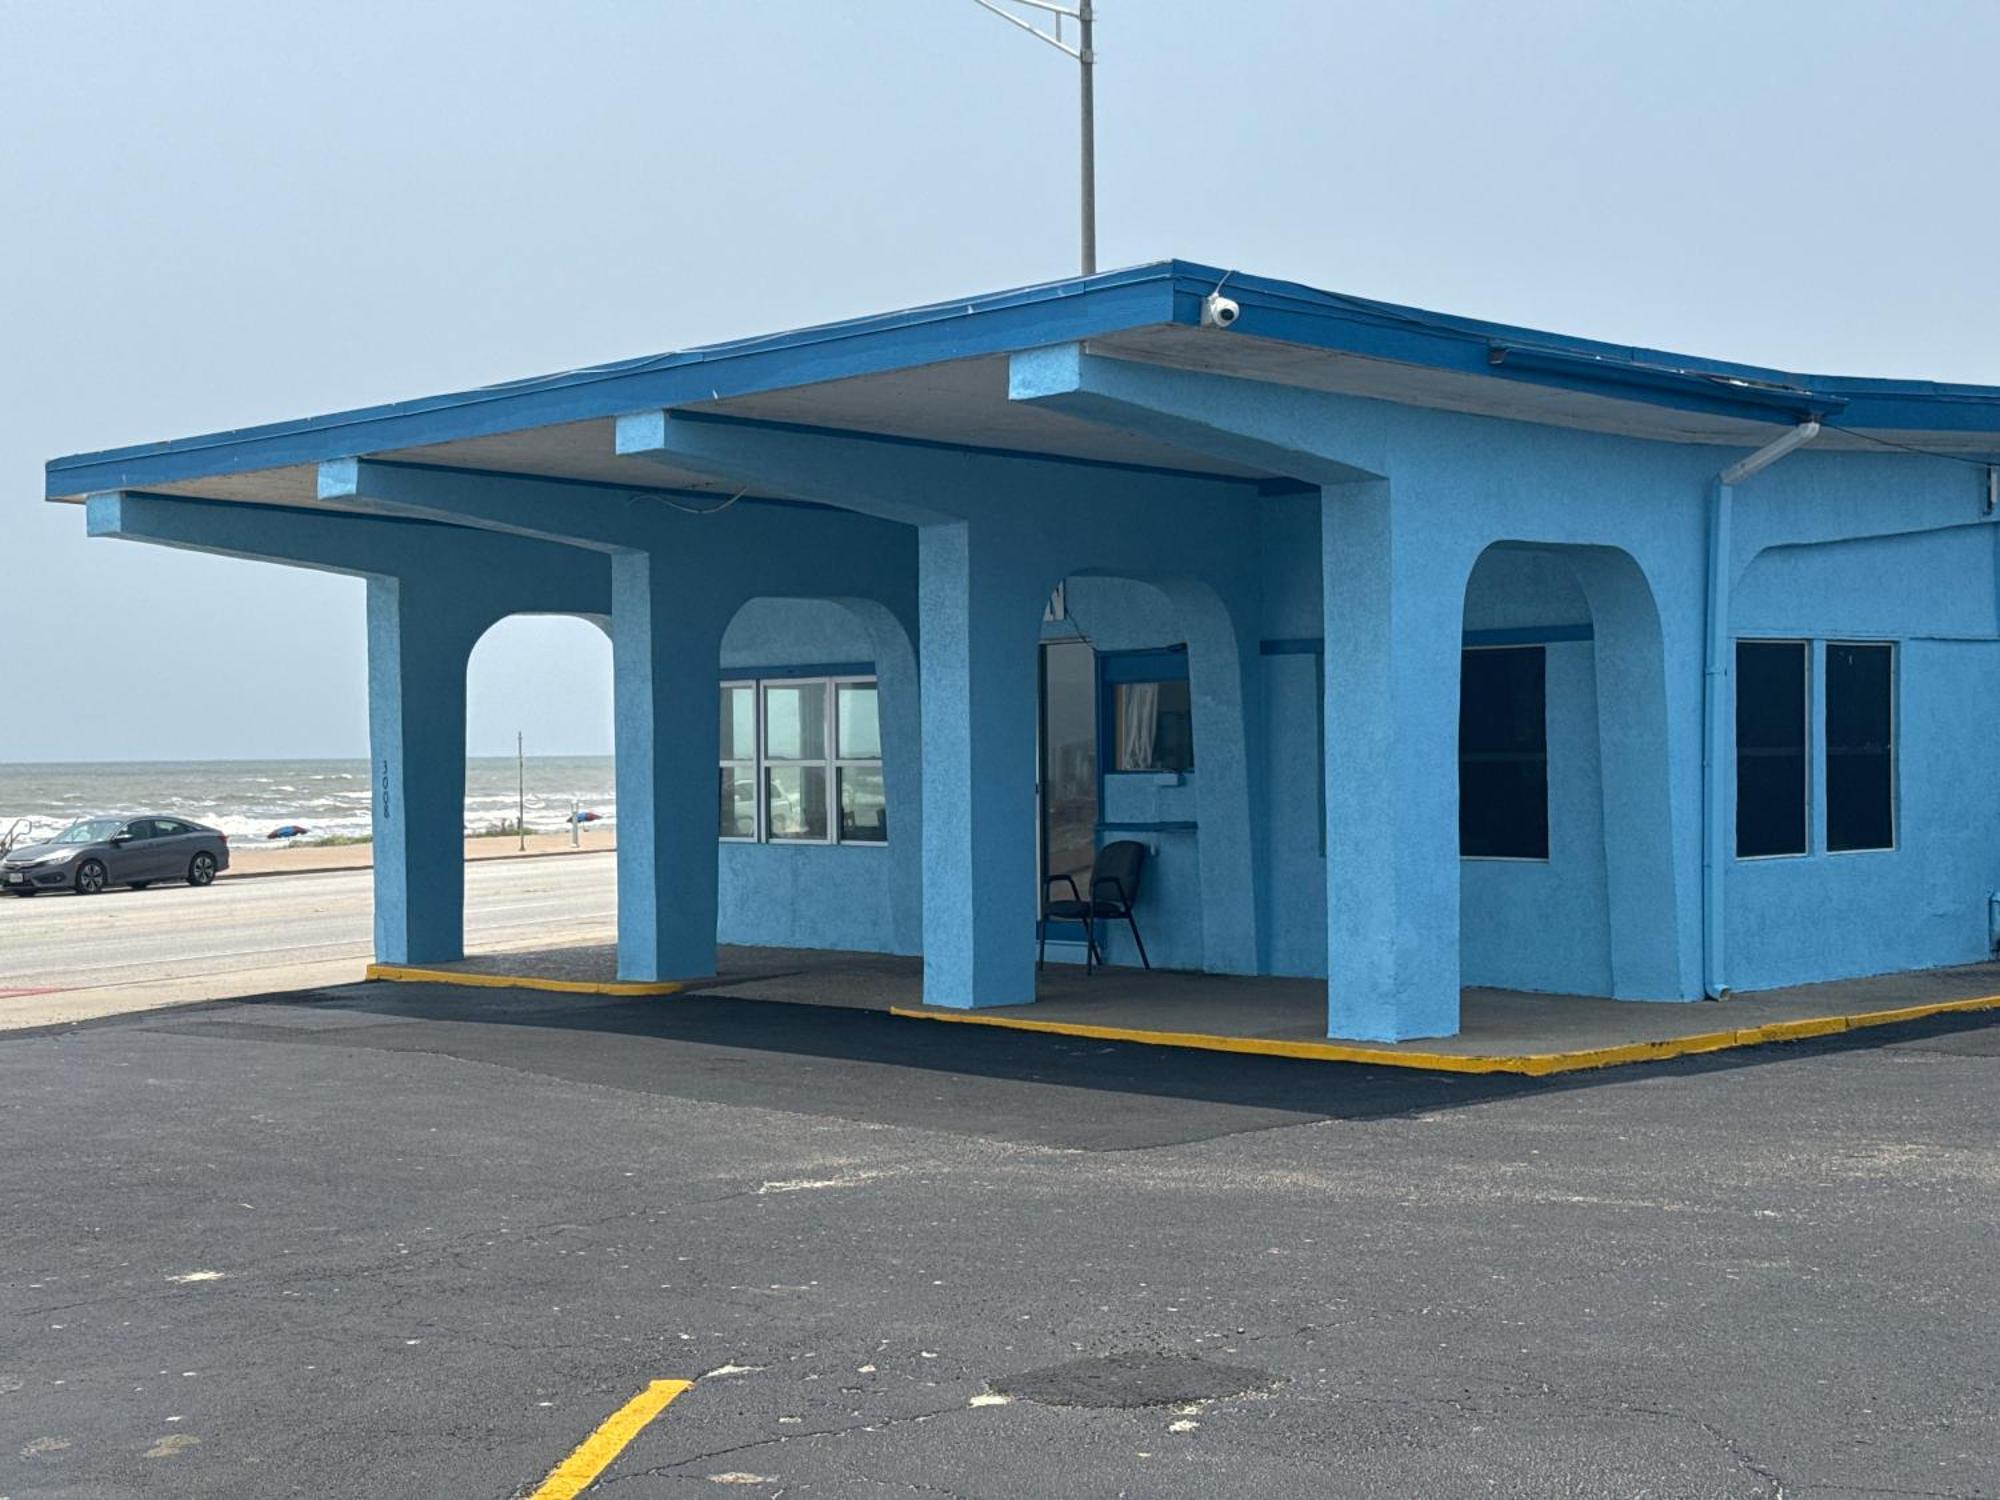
[(172, 943), (403, 1241)]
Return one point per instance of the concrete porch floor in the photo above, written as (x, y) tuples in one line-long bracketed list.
[(1503, 1030)]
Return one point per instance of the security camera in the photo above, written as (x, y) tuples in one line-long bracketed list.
[(1218, 311)]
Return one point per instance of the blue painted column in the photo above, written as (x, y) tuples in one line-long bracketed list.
[(1393, 605), (980, 604), (666, 641), (418, 644)]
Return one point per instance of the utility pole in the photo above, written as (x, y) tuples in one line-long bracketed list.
[(1085, 54), (520, 792)]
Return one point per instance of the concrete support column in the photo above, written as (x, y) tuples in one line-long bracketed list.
[(666, 641), (979, 604), (1393, 605), (418, 643)]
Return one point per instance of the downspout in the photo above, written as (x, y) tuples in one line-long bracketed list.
[(1718, 668)]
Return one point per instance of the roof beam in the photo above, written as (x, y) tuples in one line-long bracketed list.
[(534, 576), (771, 548), (605, 518), (1284, 430), (899, 479)]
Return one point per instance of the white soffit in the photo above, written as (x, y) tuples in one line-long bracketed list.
[(965, 402)]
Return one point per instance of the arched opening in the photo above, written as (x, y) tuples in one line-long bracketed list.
[(1567, 881), (820, 788), (539, 778), (1140, 739)]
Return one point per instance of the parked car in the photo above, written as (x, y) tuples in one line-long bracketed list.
[(95, 853)]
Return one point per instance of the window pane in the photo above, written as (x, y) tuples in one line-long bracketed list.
[(795, 802), (1860, 764), (1503, 754), (739, 803), (1770, 748), (1069, 759), (1153, 727), (864, 815), (739, 723), (795, 721), (860, 721)]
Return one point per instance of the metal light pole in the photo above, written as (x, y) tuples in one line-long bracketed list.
[(1084, 15)]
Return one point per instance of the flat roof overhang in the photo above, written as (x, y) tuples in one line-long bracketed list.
[(939, 374)]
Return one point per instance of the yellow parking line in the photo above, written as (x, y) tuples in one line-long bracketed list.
[(593, 1455)]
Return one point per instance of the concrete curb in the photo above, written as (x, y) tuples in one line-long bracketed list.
[(1531, 1064), (407, 974), (1528, 1064)]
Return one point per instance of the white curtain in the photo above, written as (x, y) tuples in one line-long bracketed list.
[(1142, 726)]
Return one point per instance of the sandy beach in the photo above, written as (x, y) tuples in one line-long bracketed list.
[(247, 859)]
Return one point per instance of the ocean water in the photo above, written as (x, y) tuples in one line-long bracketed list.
[(246, 799)]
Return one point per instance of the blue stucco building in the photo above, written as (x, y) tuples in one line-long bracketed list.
[(1419, 652)]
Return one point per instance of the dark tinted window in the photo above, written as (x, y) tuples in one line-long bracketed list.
[(1860, 760), (1152, 726), (1770, 748), (167, 828), (1503, 754), (139, 828)]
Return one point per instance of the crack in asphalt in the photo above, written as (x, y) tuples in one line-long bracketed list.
[(670, 1471)]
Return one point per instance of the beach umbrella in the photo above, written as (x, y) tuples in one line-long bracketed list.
[(585, 817), (287, 831)]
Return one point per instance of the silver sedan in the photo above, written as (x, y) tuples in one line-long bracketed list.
[(90, 855)]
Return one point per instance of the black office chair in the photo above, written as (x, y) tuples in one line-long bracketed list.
[(1114, 890)]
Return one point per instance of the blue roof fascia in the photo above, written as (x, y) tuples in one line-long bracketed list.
[(1916, 405), (1029, 317), (1410, 335)]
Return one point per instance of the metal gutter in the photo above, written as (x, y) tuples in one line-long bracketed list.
[(1718, 673)]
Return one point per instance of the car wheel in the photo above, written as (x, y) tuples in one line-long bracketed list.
[(90, 878), (201, 869)]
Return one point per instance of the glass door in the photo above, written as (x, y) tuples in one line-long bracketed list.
[(1067, 776)]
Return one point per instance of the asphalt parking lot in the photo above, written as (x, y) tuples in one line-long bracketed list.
[(399, 1240)]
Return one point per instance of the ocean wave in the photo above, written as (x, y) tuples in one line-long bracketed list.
[(247, 800)]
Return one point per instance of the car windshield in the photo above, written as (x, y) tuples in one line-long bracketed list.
[(90, 831)]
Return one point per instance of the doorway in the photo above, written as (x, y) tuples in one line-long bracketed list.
[(1066, 775)]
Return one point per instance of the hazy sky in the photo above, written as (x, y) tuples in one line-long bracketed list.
[(217, 215)]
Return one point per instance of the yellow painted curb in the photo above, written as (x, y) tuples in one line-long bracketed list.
[(403, 973), (1533, 1064)]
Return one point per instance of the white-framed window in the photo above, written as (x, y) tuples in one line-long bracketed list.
[(1773, 748), (859, 794), (738, 819), (1860, 746), (801, 761)]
